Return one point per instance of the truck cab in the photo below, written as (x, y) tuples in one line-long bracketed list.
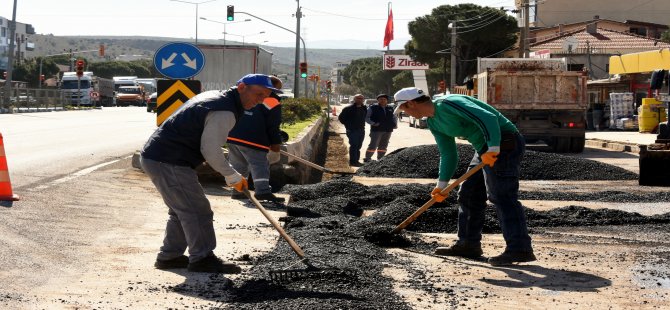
[(130, 95), (77, 90)]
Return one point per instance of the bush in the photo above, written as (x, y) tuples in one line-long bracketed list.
[(296, 110)]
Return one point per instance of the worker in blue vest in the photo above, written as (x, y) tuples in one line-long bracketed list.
[(191, 135), (255, 134), (382, 121)]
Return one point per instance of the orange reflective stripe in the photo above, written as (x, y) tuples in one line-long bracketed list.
[(270, 102), (371, 151), (248, 143), (381, 150)]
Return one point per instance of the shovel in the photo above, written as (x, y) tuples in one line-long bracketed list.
[(432, 201), (313, 165), (281, 275)]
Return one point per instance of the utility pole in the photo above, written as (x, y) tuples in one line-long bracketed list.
[(10, 57), (296, 74), (452, 83), (524, 43)]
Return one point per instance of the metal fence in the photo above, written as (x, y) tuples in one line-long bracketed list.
[(25, 100)]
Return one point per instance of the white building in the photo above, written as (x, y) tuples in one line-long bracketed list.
[(21, 43)]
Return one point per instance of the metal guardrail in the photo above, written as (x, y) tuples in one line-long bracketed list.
[(26, 100)]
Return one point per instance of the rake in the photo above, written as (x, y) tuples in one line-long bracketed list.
[(291, 272), (313, 165)]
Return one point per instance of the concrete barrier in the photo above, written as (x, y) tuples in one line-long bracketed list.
[(283, 170)]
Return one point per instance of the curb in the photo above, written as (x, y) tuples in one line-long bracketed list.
[(614, 145)]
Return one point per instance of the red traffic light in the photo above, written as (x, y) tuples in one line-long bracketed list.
[(80, 68)]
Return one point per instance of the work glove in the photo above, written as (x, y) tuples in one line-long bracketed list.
[(241, 185), (237, 181), (489, 158), (275, 147), (436, 193)]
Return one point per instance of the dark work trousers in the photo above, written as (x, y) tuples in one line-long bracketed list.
[(355, 137), (501, 184), (190, 223), (379, 141)]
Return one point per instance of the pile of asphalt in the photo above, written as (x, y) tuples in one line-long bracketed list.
[(423, 162), (325, 220)]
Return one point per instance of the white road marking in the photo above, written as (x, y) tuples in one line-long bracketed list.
[(77, 174)]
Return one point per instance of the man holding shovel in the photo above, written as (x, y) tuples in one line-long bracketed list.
[(500, 147), (191, 135)]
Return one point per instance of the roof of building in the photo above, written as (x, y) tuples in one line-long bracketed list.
[(626, 22), (602, 41)]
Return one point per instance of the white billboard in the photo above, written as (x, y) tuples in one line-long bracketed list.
[(402, 62)]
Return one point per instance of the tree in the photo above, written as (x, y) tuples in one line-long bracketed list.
[(368, 75), (665, 36), (481, 32)]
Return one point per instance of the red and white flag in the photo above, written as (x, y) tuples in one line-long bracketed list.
[(388, 35)]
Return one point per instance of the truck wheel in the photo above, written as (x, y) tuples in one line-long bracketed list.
[(561, 144), (577, 144)]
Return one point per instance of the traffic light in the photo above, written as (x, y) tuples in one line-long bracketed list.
[(80, 68), (329, 86), (303, 69), (101, 51), (231, 13)]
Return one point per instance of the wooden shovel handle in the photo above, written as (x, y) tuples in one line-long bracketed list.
[(432, 201), (276, 225)]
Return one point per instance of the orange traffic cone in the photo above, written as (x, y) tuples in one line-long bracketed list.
[(334, 112), (5, 184)]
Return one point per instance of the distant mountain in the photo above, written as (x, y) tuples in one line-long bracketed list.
[(349, 44), (144, 47)]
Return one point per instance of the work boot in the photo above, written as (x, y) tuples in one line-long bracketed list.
[(367, 160), (269, 197), (175, 263), (238, 195), (510, 257), (355, 164), (460, 249), (213, 264)]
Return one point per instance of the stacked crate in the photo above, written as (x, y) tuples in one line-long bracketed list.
[(622, 110)]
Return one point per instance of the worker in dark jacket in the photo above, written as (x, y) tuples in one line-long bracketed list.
[(353, 118), (256, 133), (382, 121), (191, 135)]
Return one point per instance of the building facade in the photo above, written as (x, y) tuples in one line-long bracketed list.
[(549, 13), (21, 43)]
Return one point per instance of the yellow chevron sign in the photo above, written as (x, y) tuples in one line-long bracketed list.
[(172, 94)]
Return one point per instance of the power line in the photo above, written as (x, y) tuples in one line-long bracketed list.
[(494, 54), (493, 21)]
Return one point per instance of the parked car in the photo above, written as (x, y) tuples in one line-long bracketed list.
[(418, 122), (151, 102), (127, 95), (370, 102)]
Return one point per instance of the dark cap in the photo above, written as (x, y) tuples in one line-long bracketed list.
[(383, 96), (259, 79)]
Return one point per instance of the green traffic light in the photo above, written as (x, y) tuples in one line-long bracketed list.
[(230, 18), (303, 75)]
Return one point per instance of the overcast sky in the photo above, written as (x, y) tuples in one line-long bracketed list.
[(362, 20)]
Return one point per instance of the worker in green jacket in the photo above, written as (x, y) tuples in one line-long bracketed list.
[(500, 146)]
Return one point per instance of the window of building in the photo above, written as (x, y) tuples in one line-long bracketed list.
[(4, 32), (640, 31), (575, 67)]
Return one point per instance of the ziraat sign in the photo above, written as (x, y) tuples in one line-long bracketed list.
[(402, 62)]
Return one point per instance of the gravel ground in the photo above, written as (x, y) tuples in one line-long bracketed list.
[(423, 162)]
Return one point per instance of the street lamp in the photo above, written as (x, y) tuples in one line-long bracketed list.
[(196, 14), (245, 35), (224, 25)]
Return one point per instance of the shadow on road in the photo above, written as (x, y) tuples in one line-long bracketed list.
[(525, 276)]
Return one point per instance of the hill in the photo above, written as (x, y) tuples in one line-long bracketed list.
[(144, 47)]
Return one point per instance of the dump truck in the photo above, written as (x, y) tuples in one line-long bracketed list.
[(105, 89), (225, 65), (541, 97)]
